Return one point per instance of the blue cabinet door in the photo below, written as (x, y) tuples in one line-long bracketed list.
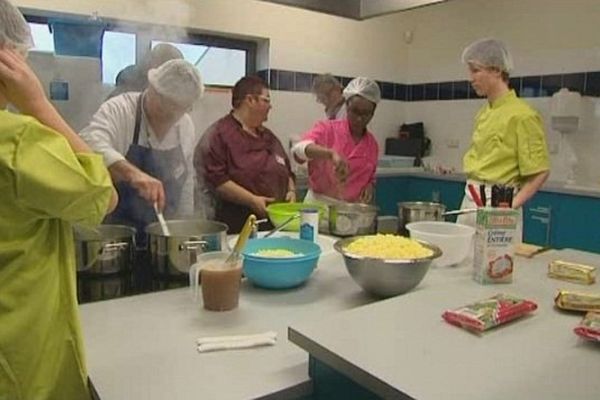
[(449, 193), (389, 191), (562, 221), (539, 214), (577, 222)]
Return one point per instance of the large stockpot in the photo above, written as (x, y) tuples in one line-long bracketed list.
[(414, 211), (104, 257), (104, 250), (173, 255), (349, 219)]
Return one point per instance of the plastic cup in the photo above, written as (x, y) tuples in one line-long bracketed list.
[(221, 286), (220, 283)]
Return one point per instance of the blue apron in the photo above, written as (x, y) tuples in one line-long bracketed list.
[(168, 166)]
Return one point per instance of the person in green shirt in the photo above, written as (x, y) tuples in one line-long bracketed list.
[(49, 180), (509, 142)]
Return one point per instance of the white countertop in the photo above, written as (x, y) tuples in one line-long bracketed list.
[(402, 347), (143, 347)]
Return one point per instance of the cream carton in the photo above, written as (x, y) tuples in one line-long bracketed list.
[(495, 238)]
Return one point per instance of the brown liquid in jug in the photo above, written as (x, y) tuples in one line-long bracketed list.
[(220, 286)]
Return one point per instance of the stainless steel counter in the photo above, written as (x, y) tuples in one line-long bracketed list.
[(401, 348), (143, 347)]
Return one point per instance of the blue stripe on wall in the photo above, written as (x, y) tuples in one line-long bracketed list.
[(586, 83)]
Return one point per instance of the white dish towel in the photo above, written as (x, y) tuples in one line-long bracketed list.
[(215, 343)]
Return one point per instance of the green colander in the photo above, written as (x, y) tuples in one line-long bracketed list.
[(280, 212)]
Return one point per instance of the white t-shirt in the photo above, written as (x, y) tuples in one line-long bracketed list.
[(110, 133)]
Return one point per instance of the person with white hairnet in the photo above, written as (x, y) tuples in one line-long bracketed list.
[(509, 142), (50, 180), (134, 78), (147, 140), (342, 154), (328, 91)]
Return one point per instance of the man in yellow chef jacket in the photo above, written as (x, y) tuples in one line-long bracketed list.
[(49, 179), (509, 143)]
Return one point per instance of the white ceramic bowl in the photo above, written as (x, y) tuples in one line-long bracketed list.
[(455, 240)]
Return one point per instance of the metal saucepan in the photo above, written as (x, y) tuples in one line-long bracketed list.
[(349, 219), (414, 211), (106, 249), (173, 255)]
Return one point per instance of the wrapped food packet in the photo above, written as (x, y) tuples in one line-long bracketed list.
[(589, 327), (488, 313), (573, 272), (577, 301)]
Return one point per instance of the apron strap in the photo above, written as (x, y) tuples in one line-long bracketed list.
[(138, 119)]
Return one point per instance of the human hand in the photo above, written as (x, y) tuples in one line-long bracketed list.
[(149, 188), (340, 166), (290, 196), (366, 195), (259, 205), (19, 84)]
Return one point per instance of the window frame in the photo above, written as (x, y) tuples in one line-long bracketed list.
[(145, 34), (194, 37)]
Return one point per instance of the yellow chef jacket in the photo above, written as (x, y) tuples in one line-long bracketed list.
[(508, 144), (44, 188)]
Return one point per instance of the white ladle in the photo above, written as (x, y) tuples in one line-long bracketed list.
[(161, 221)]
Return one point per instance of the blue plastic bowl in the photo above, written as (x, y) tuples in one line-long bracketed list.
[(284, 272)]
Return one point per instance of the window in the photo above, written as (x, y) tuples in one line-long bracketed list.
[(222, 61), (218, 66), (118, 52), (43, 39)]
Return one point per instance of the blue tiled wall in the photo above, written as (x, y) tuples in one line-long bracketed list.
[(586, 83)]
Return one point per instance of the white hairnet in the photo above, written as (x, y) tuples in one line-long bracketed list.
[(177, 80), (363, 87), (14, 30), (489, 53)]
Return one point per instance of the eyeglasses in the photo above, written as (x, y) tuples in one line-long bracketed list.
[(363, 114), (266, 99)]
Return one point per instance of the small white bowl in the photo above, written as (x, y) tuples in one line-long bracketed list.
[(455, 240)]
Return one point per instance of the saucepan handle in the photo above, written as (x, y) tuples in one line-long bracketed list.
[(110, 247), (459, 212)]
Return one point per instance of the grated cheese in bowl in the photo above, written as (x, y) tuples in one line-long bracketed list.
[(388, 247)]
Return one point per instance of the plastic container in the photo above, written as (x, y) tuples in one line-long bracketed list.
[(280, 272), (220, 286), (280, 212), (309, 224), (455, 240), (395, 162)]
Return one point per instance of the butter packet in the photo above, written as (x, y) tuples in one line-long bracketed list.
[(577, 301), (485, 314), (589, 327), (572, 272)]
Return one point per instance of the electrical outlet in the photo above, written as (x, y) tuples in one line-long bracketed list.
[(452, 143)]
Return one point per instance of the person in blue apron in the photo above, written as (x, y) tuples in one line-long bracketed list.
[(147, 140)]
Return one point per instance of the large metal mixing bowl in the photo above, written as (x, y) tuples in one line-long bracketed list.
[(386, 278)]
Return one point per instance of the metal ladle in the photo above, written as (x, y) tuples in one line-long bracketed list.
[(459, 212), (282, 225)]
